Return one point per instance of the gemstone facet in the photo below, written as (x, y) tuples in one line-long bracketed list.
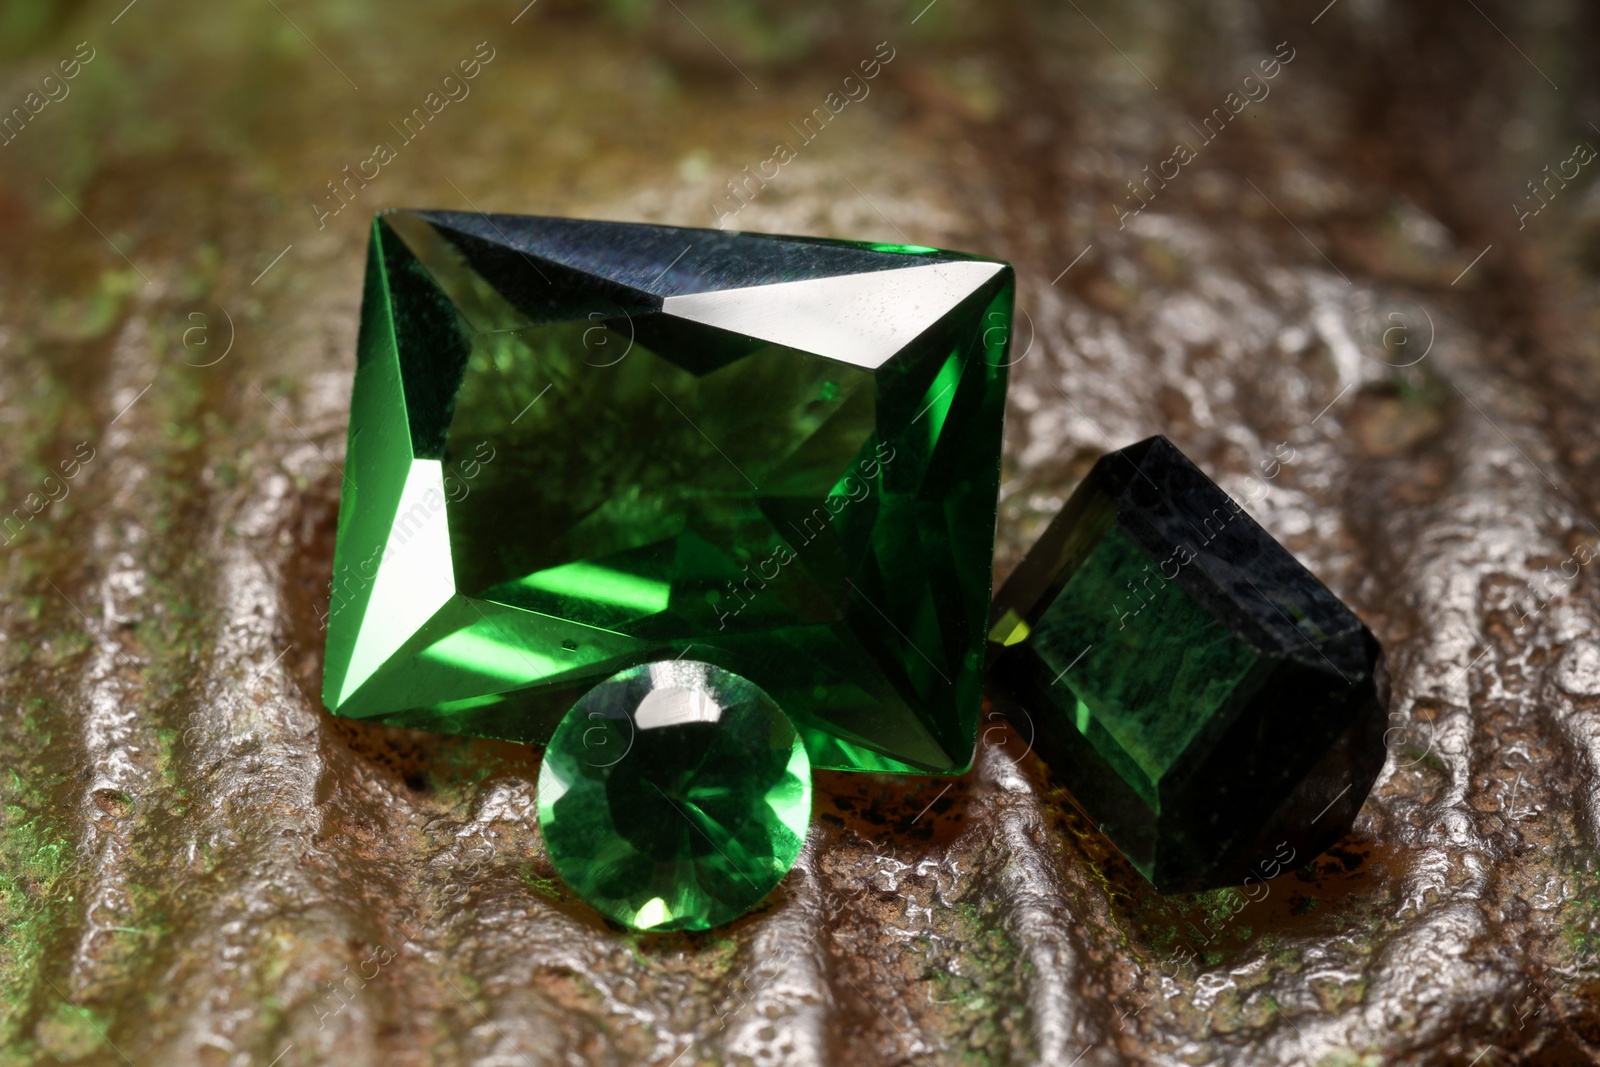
[(674, 796), (577, 446), (1209, 703)]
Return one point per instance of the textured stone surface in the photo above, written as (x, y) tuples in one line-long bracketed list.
[(207, 865)]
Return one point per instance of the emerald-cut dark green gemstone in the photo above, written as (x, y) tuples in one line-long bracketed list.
[(577, 446), (1209, 703), (674, 796)]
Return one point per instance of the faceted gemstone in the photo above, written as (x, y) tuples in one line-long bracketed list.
[(1209, 703), (578, 446), (674, 796)]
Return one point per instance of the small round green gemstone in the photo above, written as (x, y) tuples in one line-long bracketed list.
[(674, 796)]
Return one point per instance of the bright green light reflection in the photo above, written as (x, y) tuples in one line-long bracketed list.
[(593, 582)]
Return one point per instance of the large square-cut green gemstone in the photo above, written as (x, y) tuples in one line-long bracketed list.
[(577, 446), (1212, 706)]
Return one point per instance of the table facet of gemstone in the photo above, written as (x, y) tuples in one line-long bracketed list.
[(577, 446), (674, 796), (1211, 705)]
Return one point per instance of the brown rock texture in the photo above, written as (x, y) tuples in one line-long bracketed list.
[(1364, 299)]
